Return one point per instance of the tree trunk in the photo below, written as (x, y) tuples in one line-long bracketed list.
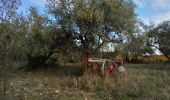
[(36, 62)]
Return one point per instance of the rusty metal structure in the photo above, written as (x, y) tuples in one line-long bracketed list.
[(103, 66)]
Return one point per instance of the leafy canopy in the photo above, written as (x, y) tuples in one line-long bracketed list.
[(161, 35), (91, 21)]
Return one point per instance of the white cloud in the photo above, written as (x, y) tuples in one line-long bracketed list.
[(164, 4), (160, 8), (161, 17), (157, 18), (161, 5)]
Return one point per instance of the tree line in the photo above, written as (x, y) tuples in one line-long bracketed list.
[(73, 29)]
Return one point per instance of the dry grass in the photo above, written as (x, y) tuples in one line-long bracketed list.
[(153, 59), (140, 82)]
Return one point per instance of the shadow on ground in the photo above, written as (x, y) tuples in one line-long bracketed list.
[(60, 70)]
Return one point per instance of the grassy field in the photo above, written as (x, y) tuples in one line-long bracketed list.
[(140, 82)]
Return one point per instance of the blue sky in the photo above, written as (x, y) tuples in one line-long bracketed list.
[(153, 10), (26, 4), (147, 10)]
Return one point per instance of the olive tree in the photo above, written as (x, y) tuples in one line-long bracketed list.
[(135, 46), (94, 23), (159, 37)]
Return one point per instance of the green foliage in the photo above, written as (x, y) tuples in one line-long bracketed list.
[(160, 35), (42, 39), (136, 45), (9, 40), (94, 20), (11, 31), (8, 9)]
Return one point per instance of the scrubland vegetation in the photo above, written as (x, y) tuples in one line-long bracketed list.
[(42, 53), (140, 82)]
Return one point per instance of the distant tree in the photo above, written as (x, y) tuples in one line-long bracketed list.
[(94, 23), (160, 37), (135, 46)]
